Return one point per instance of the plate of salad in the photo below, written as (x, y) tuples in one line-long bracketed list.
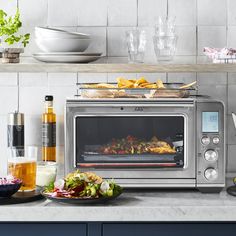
[(82, 188)]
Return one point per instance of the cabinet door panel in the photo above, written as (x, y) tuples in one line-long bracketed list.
[(42, 229), (168, 229)]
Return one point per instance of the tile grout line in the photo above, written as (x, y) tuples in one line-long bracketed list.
[(196, 38), (167, 14), (167, 8), (137, 8), (107, 25), (47, 12), (196, 19), (18, 92), (227, 22)]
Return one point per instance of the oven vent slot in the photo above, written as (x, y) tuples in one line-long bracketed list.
[(132, 102)]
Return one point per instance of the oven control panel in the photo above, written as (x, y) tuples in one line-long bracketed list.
[(210, 143)]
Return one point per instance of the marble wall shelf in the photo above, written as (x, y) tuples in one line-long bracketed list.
[(31, 65)]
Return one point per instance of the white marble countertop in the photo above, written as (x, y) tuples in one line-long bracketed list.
[(159, 205)]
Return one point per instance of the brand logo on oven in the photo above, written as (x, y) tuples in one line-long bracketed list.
[(138, 108)]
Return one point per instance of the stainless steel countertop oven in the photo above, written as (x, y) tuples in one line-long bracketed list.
[(148, 143)]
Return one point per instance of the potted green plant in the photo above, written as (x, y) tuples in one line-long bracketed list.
[(12, 42)]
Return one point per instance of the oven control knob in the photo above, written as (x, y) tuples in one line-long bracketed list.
[(216, 140), (211, 174), (205, 140), (211, 155)]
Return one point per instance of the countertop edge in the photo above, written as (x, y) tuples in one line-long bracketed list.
[(116, 214)]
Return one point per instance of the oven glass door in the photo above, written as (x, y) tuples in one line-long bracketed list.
[(130, 141)]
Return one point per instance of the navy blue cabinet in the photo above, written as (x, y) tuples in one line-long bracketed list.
[(168, 229), (117, 229), (43, 229)]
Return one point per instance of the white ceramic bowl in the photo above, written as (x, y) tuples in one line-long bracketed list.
[(44, 32), (62, 44)]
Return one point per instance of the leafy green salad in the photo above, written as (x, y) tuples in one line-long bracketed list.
[(83, 185)]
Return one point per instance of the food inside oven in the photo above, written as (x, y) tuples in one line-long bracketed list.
[(133, 145), (137, 88), (130, 141)]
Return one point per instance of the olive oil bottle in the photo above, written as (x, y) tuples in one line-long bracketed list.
[(49, 131)]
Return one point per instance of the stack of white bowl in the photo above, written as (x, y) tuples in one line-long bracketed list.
[(62, 46)]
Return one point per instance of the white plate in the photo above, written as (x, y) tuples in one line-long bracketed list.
[(66, 59), (68, 54)]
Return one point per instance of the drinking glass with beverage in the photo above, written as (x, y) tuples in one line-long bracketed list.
[(22, 165)]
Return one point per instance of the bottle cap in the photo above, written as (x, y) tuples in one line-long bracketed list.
[(15, 118), (49, 98)]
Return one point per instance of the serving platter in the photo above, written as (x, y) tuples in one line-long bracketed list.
[(22, 197), (80, 201), (171, 90), (66, 58)]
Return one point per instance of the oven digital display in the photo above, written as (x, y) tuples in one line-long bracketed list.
[(210, 122)]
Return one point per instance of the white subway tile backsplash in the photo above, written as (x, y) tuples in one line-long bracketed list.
[(33, 79), (231, 37), (8, 79), (98, 36), (60, 130), (231, 130), (60, 161), (231, 98), (33, 12), (184, 59), (231, 78), (3, 161), (122, 13), (62, 79), (8, 99), (149, 10), (117, 41), (62, 13), (231, 12), (97, 12), (186, 44), (211, 12), (211, 36), (118, 60), (37, 94), (33, 129), (3, 128), (32, 100), (218, 92), (211, 78), (92, 78), (60, 94), (203, 59), (231, 167), (183, 10), (8, 6), (181, 77)]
